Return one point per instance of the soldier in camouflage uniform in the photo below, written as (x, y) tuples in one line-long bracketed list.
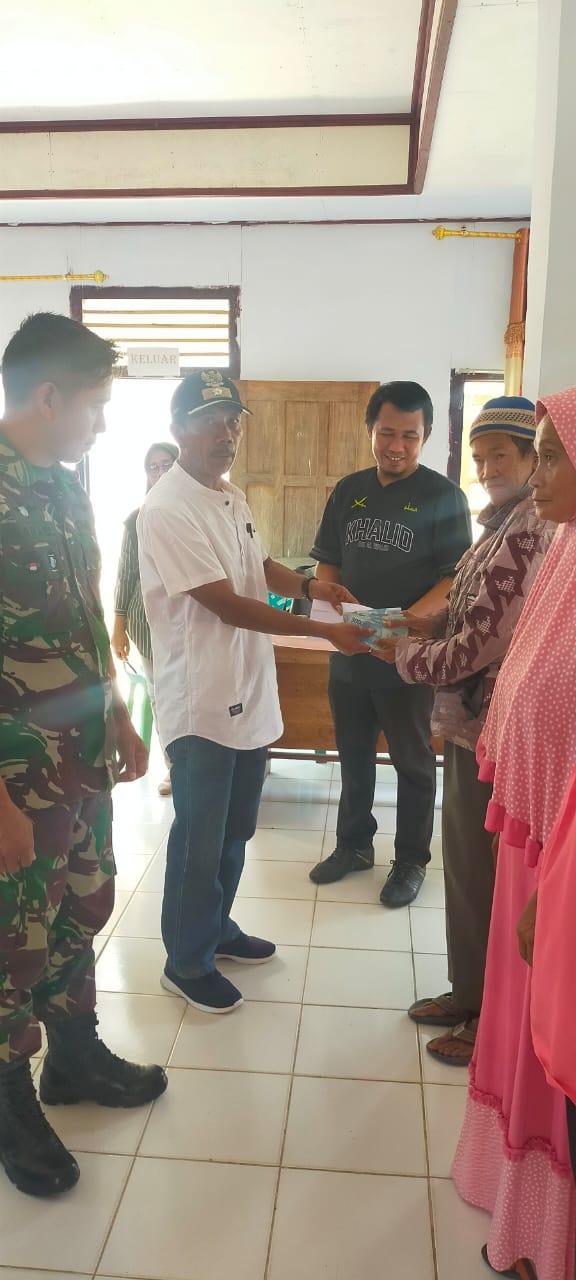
[(65, 738)]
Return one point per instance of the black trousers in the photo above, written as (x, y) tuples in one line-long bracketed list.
[(403, 715), (468, 874), (571, 1117)]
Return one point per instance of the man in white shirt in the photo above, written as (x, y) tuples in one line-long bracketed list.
[(205, 580)]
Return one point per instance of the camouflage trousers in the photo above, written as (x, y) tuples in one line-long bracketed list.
[(49, 914)]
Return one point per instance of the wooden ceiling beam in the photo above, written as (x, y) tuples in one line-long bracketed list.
[(427, 122)]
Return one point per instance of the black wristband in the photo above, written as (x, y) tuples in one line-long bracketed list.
[(306, 587)]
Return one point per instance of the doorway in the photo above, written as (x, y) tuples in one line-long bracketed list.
[(201, 324), (138, 415)]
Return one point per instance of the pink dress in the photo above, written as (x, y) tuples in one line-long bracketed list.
[(554, 968), (513, 1157)]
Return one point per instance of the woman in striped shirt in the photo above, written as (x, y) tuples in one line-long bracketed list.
[(130, 622)]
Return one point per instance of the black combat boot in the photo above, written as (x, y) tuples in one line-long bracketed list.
[(33, 1156), (79, 1067)]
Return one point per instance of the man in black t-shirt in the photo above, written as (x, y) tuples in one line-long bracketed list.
[(389, 534)]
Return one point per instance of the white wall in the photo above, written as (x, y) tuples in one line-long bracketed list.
[(343, 302), (550, 363)]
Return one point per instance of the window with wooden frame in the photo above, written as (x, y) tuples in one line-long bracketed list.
[(469, 391), (201, 323)]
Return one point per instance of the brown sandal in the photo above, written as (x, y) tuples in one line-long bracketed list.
[(522, 1270), (455, 1049), (438, 1012)]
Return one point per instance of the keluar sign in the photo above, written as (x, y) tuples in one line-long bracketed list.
[(153, 362)]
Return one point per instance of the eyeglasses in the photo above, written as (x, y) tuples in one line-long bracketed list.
[(159, 468)]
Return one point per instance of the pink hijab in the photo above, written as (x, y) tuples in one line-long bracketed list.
[(528, 745)]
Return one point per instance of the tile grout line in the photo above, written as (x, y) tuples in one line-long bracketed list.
[(313, 1075), (130, 1170), (311, 1004), (122, 913), (131, 1166), (266, 1273), (144, 873), (261, 1164), (317, 946), (114, 1215), (138, 1146), (424, 1122)]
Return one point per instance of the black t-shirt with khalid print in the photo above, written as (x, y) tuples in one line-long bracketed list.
[(392, 544)]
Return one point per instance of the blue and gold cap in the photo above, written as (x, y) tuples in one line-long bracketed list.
[(515, 415)]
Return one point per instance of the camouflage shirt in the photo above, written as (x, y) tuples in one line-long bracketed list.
[(54, 647)]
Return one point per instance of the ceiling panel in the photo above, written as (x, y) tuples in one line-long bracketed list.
[(186, 57), (484, 127), (282, 56)]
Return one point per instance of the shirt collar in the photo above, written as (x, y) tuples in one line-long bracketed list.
[(188, 481), (398, 480)]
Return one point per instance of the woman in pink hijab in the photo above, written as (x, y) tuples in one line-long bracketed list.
[(513, 1157)]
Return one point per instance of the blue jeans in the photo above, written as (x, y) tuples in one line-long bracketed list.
[(216, 792)]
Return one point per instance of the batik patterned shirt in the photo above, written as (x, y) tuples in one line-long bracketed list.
[(488, 594), (128, 593)]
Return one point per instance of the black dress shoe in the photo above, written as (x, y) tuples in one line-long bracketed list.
[(33, 1156), (403, 884), (79, 1067), (340, 863)]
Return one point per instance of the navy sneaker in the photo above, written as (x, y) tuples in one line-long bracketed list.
[(245, 950), (212, 993)]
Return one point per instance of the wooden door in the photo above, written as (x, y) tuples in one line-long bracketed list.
[(302, 438)]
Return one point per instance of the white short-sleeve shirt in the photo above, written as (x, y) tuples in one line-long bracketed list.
[(211, 680)]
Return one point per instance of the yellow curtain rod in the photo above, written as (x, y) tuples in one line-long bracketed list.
[(97, 276), (441, 233)]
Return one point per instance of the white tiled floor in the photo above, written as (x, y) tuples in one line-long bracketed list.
[(306, 1134)]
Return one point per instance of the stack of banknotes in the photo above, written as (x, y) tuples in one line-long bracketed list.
[(380, 620)]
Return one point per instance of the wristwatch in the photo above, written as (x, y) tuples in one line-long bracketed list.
[(306, 587)]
